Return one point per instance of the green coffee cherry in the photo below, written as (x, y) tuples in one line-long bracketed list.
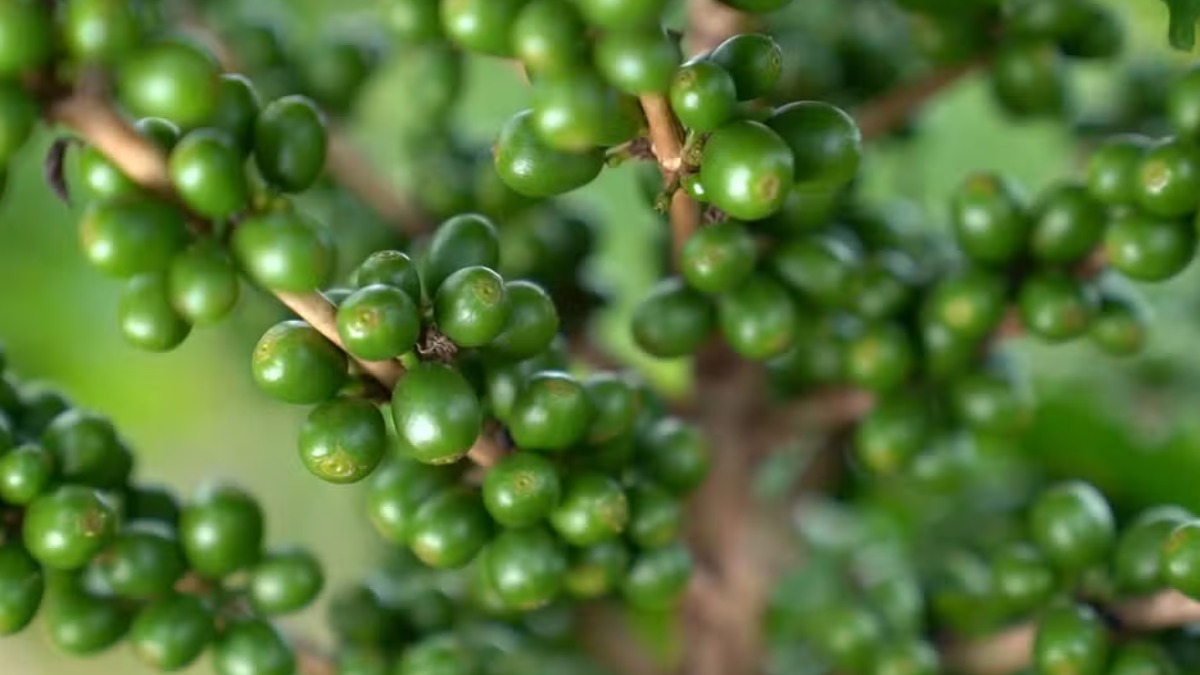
[(521, 489), (826, 144), (718, 258), (449, 529), (252, 646), (289, 143), (343, 440), (471, 306), (657, 578), (206, 168), (1071, 638), (144, 561), (397, 490), (703, 96), (437, 414), (203, 283), (221, 530), (672, 320), (172, 632), (527, 567), (172, 79), (284, 252), (989, 218), (378, 322), (754, 61), (593, 509), (1073, 525), (758, 319), (64, 528), (133, 236), (21, 588), (548, 37), (747, 170), (27, 33), (285, 581), (294, 363), (533, 168)]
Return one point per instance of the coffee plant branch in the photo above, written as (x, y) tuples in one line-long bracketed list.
[(709, 23), (94, 118), (311, 661), (667, 144), (1012, 649), (892, 110)]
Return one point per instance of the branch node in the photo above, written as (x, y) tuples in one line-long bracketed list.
[(434, 346)]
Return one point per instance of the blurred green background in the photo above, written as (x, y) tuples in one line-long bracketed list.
[(194, 412)]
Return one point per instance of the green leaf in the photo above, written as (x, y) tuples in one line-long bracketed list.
[(1182, 30)]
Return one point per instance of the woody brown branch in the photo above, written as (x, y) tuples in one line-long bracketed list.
[(1012, 649), (710, 23), (894, 109), (721, 623), (354, 173)]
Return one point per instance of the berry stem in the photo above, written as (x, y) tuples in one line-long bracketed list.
[(353, 172), (667, 144), (893, 109), (1011, 649)]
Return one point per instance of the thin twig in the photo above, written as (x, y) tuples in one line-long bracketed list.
[(892, 110), (353, 172), (1012, 649), (1164, 610), (310, 660)]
